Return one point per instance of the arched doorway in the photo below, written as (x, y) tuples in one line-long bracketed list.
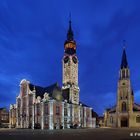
[(124, 122)]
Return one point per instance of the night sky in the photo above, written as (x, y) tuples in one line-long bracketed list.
[(32, 35)]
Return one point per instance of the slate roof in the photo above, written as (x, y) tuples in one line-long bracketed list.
[(70, 32), (124, 63), (112, 109), (136, 107), (49, 89), (94, 114), (83, 104)]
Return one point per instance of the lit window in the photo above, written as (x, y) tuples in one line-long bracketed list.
[(138, 119), (65, 111), (57, 110)]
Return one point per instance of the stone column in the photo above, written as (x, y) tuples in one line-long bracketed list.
[(90, 118), (17, 121), (51, 124), (79, 114), (42, 115), (10, 116), (62, 117), (94, 122), (33, 115), (73, 113), (21, 113), (85, 117), (68, 115), (119, 122), (27, 111)]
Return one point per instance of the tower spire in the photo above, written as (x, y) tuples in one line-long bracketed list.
[(70, 32), (124, 63)]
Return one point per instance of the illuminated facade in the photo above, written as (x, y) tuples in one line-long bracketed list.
[(126, 113), (54, 107), (4, 115)]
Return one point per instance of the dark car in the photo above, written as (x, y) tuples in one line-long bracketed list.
[(30, 126), (75, 126), (37, 126)]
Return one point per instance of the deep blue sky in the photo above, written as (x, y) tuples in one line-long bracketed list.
[(32, 34)]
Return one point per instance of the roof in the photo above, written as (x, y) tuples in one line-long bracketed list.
[(124, 63), (94, 114), (70, 32), (52, 90), (3, 109), (136, 107), (112, 109), (84, 105)]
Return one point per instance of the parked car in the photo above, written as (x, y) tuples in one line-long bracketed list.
[(75, 126), (37, 126)]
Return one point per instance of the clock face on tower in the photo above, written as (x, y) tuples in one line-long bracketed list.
[(66, 59), (74, 59)]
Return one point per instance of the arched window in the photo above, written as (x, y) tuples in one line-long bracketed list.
[(138, 119), (123, 73), (127, 75), (123, 106)]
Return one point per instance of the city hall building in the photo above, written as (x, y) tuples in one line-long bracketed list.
[(53, 107), (126, 113)]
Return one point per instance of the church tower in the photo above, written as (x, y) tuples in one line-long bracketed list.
[(70, 69), (125, 93)]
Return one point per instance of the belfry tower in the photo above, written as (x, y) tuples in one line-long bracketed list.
[(70, 69), (125, 94)]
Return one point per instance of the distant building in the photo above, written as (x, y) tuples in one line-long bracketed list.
[(101, 121), (4, 116), (126, 113), (12, 115), (54, 107)]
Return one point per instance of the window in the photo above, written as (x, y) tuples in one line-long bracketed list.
[(30, 111), (111, 119), (30, 100), (123, 106), (138, 119), (123, 73), (38, 109), (46, 111), (46, 120), (65, 111), (127, 75), (57, 110)]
